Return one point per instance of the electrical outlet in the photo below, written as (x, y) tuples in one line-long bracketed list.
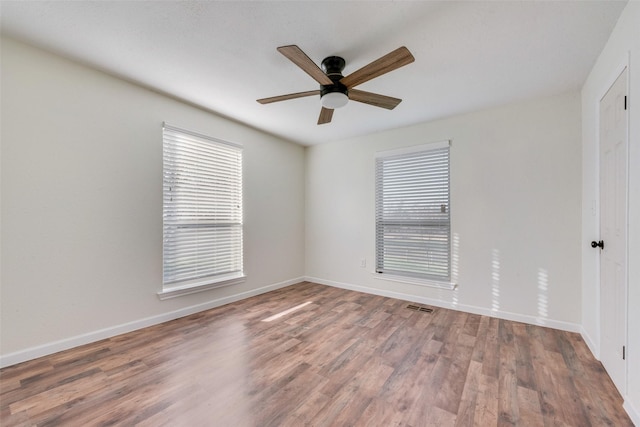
[(363, 262)]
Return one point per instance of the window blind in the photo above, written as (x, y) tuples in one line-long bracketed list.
[(412, 213), (202, 207)]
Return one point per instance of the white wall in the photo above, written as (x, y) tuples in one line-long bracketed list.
[(82, 205), (515, 203), (623, 48)]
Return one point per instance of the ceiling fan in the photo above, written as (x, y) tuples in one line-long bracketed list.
[(335, 90)]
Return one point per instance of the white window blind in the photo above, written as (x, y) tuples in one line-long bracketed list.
[(202, 208), (412, 212)]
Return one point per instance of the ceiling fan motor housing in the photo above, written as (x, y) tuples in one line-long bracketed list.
[(333, 66)]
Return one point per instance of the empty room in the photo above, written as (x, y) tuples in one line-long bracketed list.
[(319, 213)]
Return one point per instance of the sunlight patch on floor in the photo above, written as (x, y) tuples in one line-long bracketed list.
[(288, 311)]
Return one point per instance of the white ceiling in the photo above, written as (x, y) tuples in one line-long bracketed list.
[(222, 55)]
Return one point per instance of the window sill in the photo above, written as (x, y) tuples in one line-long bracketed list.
[(201, 286), (419, 282)]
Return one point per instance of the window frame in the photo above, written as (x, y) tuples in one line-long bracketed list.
[(408, 276), (186, 224)]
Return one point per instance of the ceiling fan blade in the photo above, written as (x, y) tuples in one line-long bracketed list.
[(288, 96), (298, 57), (391, 61), (374, 99), (325, 116)]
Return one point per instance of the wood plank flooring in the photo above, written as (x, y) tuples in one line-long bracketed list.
[(344, 359)]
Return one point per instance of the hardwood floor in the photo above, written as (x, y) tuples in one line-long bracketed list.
[(343, 359)]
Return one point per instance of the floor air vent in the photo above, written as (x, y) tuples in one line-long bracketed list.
[(418, 308)]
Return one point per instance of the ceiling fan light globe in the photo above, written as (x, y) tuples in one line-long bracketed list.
[(333, 100)]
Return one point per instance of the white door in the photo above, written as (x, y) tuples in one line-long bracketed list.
[(613, 230)]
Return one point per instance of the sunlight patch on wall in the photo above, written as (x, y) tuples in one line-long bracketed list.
[(543, 295), (495, 280), (455, 257)]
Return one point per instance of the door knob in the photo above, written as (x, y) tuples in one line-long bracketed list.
[(599, 244)]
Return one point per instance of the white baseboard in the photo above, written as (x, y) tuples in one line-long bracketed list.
[(633, 412), (590, 343), (550, 323), (67, 343)]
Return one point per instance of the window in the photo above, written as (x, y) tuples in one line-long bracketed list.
[(202, 212), (413, 231)]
